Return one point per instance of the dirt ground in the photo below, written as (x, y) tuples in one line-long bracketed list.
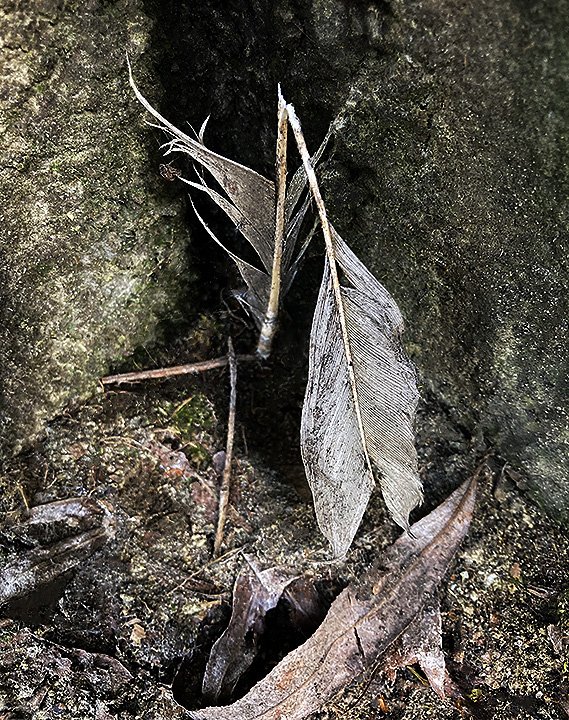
[(125, 632)]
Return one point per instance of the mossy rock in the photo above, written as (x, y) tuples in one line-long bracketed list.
[(93, 246)]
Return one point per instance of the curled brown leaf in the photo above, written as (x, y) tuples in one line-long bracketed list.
[(362, 623)]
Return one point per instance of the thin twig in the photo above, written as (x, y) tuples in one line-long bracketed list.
[(222, 558), (226, 480), (269, 326), (191, 369), (22, 493)]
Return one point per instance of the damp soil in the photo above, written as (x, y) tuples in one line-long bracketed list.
[(129, 629)]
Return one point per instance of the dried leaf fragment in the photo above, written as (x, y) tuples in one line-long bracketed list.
[(363, 622), (255, 592), (421, 643)]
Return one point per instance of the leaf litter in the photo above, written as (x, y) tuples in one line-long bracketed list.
[(496, 628), (62, 535), (390, 604)]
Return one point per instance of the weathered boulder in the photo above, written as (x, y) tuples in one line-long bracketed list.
[(92, 249), (450, 178)]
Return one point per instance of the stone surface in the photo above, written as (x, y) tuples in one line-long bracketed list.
[(92, 251), (450, 178)]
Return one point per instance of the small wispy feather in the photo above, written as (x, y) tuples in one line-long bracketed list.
[(250, 202)]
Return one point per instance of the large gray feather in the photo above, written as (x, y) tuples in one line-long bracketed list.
[(334, 452)]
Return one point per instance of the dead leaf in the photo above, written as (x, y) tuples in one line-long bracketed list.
[(256, 592), (362, 623), (27, 572), (306, 608), (176, 466), (421, 644), (174, 463), (559, 640), (382, 704), (137, 635)]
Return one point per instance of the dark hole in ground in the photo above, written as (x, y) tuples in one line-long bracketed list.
[(187, 682), (280, 638), (285, 630)]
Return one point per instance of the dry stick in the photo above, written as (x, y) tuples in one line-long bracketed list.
[(191, 369), (22, 493), (226, 480), (269, 326), (331, 254)]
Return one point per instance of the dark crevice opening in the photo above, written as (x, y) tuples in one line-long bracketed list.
[(224, 60)]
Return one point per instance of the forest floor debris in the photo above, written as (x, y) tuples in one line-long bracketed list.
[(506, 589)]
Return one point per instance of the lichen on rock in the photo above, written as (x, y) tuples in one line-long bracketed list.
[(93, 250)]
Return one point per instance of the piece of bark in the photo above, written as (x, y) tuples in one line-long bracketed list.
[(88, 526), (363, 621)]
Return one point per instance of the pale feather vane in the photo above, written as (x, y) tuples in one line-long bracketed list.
[(360, 402), (333, 450)]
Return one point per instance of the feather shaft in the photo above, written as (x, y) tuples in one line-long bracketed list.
[(332, 264)]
